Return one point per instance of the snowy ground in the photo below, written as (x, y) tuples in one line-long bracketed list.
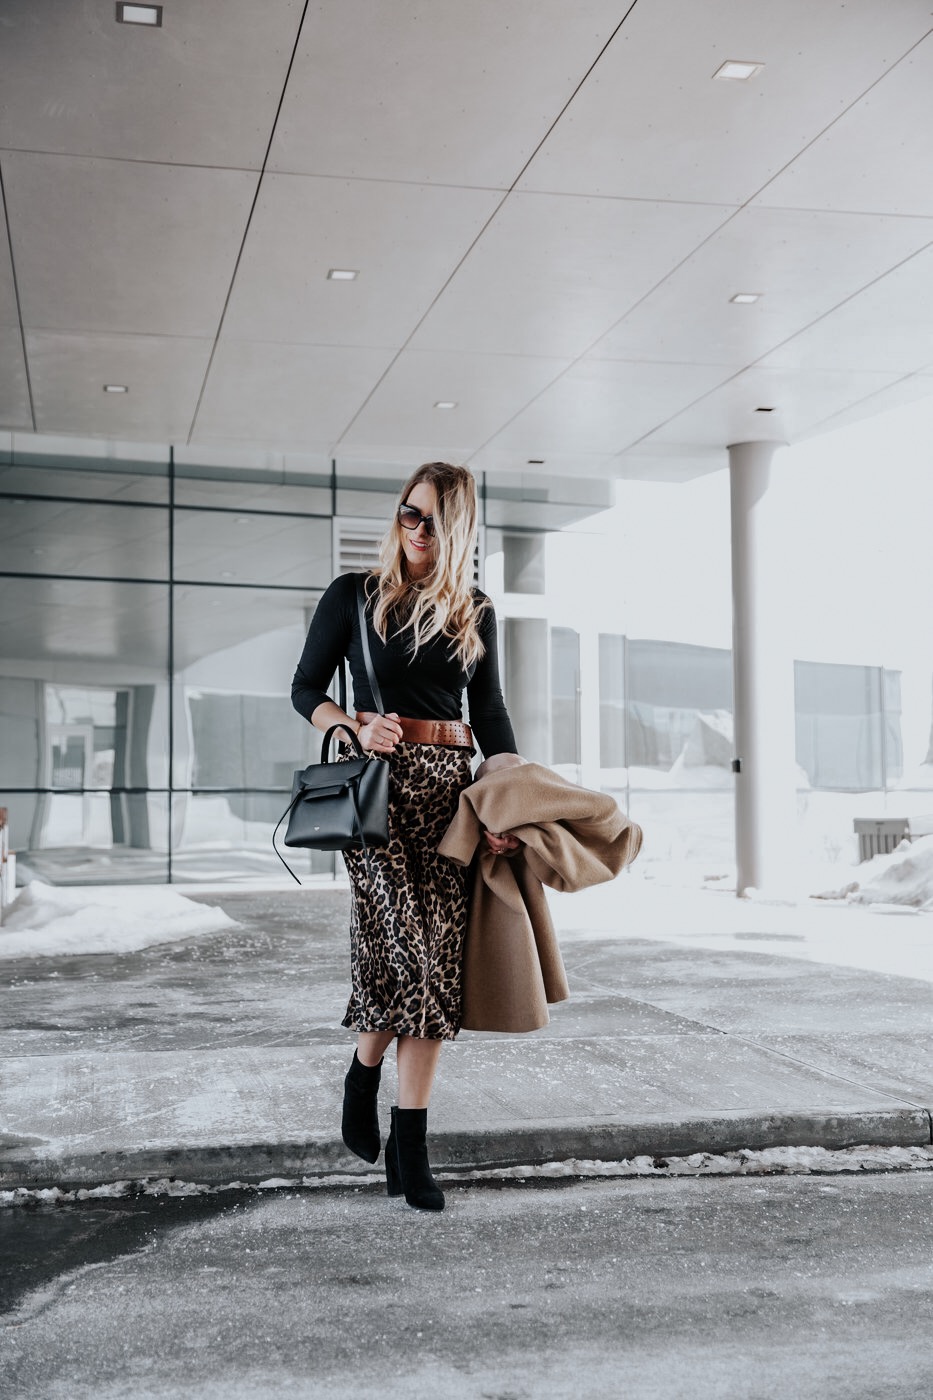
[(903, 878), (51, 920), (772, 1161), (877, 916)]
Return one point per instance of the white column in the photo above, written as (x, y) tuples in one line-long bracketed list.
[(763, 680), (590, 758), (528, 685)]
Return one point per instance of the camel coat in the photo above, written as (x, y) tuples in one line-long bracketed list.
[(571, 838)]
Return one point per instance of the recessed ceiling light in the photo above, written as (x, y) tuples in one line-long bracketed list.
[(445, 403), (226, 573), (745, 298), (343, 274), (140, 14), (243, 520), (736, 71), (116, 389), (764, 410)]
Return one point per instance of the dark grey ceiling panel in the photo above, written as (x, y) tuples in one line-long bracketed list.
[(105, 245), (163, 378), (201, 90)]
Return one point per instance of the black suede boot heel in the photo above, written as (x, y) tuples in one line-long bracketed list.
[(360, 1125), (407, 1166)]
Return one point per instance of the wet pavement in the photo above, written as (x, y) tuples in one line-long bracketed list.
[(221, 1058), (811, 1288)]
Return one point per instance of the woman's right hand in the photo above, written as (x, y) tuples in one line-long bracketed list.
[(379, 733), (502, 843)]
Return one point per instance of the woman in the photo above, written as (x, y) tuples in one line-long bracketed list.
[(432, 635)]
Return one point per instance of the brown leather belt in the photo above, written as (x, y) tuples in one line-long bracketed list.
[(447, 733)]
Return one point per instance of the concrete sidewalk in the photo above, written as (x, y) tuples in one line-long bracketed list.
[(222, 1058)]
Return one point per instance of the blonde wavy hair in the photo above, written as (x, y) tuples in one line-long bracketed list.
[(441, 604)]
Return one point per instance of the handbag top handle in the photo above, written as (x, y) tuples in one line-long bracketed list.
[(367, 656)]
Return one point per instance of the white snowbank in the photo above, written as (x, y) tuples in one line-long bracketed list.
[(768, 1161), (47, 921), (895, 939), (903, 877)]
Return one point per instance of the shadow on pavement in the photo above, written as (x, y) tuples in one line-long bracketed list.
[(43, 1244)]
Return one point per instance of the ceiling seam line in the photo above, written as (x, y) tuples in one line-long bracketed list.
[(608, 331), (617, 452), (506, 195), (597, 60), (19, 308), (686, 409), (829, 126), (129, 160), (491, 189), (775, 348), (583, 353), (716, 387), (248, 224), (715, 232), (912, 374), (873, 282), (743, 206), (836, 213)]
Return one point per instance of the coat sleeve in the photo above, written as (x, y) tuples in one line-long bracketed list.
[(572, 837), (462, 837)]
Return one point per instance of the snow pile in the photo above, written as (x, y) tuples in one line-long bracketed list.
[(48, 920), (710, 742), (111, 1191), (768, 1161), (171, 1186), (903, 878), (906, 880)]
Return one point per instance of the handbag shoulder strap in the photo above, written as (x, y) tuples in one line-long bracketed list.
[(367, 657), (367, 654)]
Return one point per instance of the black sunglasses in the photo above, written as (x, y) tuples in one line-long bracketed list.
[(410, 519)]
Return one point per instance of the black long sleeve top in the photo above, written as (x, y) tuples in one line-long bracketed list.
[(427, 686)]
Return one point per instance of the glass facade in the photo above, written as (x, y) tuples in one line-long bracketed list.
[(152, 608), (848, 726), (153, 604), (667, 707), (666, 743)]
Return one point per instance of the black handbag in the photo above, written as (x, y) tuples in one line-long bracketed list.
[(340, 806)]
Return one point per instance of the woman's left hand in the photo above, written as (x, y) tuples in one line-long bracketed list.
[(502, 843)]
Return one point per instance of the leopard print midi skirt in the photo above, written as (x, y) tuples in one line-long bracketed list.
[(407, 922)]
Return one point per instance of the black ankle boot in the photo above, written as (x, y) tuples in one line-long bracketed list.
[(407, 1166), (360, 1126)]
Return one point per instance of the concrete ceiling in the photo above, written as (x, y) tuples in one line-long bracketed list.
[(549, 205)]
